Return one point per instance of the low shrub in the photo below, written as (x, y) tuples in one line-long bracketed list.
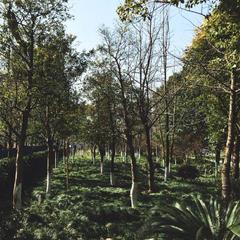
[(34, 169), (200, 219)]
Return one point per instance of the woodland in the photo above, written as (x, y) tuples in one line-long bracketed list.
[(125, 141)]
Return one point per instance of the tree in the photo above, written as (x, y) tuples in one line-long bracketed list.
[(118, 55), (216, 73), (22, 27), (54, 55), (103, 94)]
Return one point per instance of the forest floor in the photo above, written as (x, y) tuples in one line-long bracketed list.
[(92, 209)]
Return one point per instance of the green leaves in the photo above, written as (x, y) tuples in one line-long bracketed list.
[(201, 219), (235, 229)]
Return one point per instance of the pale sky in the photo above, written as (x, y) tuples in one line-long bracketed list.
[(89, 15)]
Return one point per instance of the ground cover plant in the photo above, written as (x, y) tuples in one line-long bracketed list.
[(92, 209)]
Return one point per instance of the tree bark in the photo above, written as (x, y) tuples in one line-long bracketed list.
[(236, 157), (113, 147), (102, 155), (67, 152), (93, 152), (10, 142), (226, 183), (50, 159), (112, 176), (165, 30), (151, 185), (128, 133), (17, 189)]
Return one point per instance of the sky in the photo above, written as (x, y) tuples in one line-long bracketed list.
[(89, 15)]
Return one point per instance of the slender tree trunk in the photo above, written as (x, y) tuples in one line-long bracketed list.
[(28, 59), (151, 185), (113, 143), (134, 188), (55, 155), (167, 145), (139, 153), (173, 126), (10, 143), (67, 152), (112, 176), (226, 183), (102, 155), (236, 157), (108, 153), (156, 153), (50, 159), (101, 165), (165, 30), (128, 132), (94, 154), (17, 189), (50, 156), (67, 172)]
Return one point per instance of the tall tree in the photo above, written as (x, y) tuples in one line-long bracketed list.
[(22, 27), (119, 56), (54, 55)]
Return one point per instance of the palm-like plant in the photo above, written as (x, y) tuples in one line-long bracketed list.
[(201, 220)]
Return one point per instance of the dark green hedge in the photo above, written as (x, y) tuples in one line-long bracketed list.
[(34, 169)]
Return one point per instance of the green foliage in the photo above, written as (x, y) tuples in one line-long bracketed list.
[(131, 8), (91, 209), (197, 219)]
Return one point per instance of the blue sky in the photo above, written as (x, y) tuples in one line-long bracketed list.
[(89, 15)]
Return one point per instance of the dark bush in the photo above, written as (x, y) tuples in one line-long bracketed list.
[(188, 172), (34, 169)]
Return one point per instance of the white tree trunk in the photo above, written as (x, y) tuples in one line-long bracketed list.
[(139, 154), (18, 194), (166, 173), (48, 188), (134, 194), (108, 154), (112, 179), (101, 168)]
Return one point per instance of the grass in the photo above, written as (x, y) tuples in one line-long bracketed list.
[(92, 209)]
